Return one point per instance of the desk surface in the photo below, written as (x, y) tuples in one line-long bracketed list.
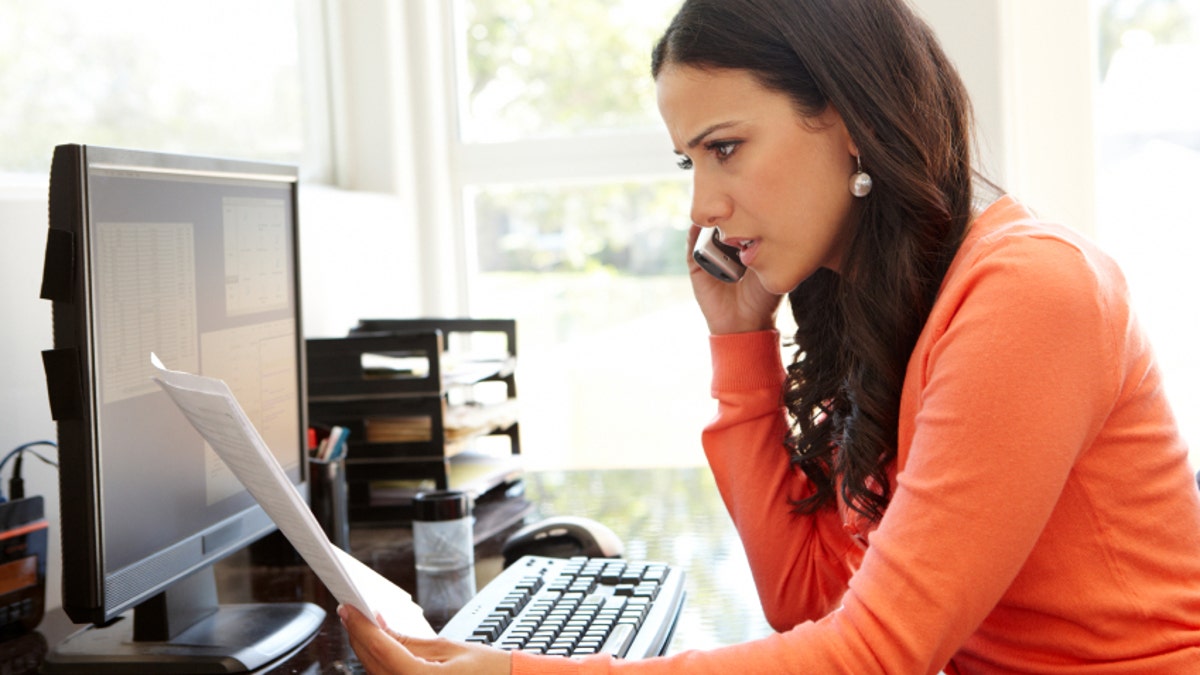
[(671, 515)]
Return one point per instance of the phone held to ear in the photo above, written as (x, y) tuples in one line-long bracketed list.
[(716, 257)]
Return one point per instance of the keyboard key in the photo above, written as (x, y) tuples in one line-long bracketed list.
[(619, 640), (487, 633), (655, 573), (644, 590)]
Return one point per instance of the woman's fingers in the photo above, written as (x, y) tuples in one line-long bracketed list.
[(382, 652)]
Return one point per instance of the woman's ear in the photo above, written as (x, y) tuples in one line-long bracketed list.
[(830, 118)]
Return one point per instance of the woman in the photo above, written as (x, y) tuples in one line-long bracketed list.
[(971, 466)]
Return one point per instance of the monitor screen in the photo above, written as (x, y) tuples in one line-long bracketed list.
[(196, 260)]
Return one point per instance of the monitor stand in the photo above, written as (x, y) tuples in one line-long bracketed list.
[(184, 630)]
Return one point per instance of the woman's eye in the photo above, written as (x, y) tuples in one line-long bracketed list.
[(723, 149)]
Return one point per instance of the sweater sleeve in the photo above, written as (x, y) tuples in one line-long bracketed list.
[(803, 575)]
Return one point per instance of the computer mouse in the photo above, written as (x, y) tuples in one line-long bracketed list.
[(563, 537)]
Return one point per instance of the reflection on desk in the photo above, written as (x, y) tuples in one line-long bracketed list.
[(675, 516), (670, 515)]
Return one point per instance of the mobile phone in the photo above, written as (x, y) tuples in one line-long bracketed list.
[(716, 257)]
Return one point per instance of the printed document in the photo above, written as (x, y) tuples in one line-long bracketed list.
[(214, 411)]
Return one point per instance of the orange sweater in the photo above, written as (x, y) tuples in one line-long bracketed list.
[(1044, 520)]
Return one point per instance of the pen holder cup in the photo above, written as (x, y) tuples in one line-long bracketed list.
[(328, 499)]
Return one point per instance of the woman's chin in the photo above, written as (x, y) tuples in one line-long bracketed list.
[(772, 285), (776, 284)]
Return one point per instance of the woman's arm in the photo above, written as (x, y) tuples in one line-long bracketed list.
[(800, 563)]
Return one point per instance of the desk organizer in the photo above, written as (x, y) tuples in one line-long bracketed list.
[(430, 405)]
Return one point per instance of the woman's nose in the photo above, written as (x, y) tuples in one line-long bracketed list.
[(709, 205)]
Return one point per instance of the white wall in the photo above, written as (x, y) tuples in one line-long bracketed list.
[(24, 405), (359, 259)]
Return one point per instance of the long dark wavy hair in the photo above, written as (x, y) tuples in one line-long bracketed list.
[(906, 109)]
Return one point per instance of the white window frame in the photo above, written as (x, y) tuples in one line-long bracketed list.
[(441, 167)]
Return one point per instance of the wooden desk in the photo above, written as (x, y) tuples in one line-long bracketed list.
[(671, 515)]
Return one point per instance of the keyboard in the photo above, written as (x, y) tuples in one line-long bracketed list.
[(575, 607)]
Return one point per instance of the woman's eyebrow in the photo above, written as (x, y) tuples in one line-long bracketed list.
[(700, 137)]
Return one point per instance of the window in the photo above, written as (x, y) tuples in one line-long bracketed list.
[(1148, 156), (575, 222), (221, 77), (544, 68)]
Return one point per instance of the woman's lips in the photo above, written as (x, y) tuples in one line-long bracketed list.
[(747, 250)]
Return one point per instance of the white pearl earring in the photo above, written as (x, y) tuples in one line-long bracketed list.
[(860, 182)]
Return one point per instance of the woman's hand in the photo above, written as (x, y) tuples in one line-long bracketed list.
[(383, 652), (739, 307)]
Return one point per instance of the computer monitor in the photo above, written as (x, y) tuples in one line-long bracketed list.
[(194, 259)]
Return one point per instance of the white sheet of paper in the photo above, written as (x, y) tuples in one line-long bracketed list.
[(214, 411)]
